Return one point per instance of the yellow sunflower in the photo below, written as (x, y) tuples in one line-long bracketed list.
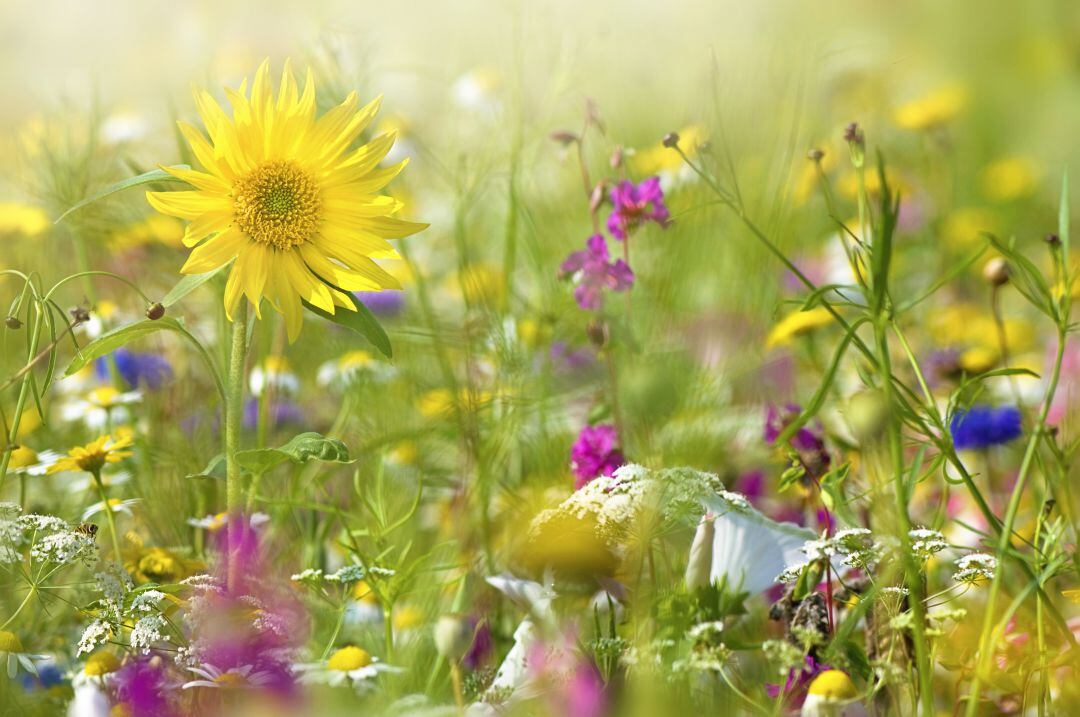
[(289, 197)]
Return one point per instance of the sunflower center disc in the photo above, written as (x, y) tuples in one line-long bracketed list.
[(277, 204)]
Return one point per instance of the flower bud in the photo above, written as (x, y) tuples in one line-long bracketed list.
[(564, 137), (598, 333), (1053, 240), (616, 160), (596, 198), (699, 566), (671, 140), (867, 413), (13, 322), (155, 311), (815, 155), (996, 272), (453, 636)]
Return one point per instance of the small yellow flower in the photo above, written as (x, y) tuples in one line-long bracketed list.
[(964, 227), (93, 456), (440, 402), (407, 617), (659, 159), (979, 359), (363, 592), (101, 663), (348, 659), (156, 228), (404, 453), (481, 284), (1072, 596), (1009, 178), (797, 323), (22, 220), (829, 694), (932, 109), (158, 565)]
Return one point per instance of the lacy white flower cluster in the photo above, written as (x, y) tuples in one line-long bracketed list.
[(346, 575), (925, 542), (122, 604), (975, 567), (614, 501), (855, 547), (50, 539)]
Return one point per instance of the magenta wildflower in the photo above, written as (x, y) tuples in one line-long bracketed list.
[(595, 453), (635, 204), (250, 623), (797, 682), (593, 272), (808, 441), (141, 686), (583, 694)]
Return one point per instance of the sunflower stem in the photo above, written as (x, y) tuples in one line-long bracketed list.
[(234, 411)]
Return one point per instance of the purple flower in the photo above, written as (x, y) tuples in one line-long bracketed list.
[(595, 453), (808, 441), (583, 694), (567, 359), (137, 369), (797, 680), (593, 273), (483, 646), (985, 426), (141, 687), (390, 302), (250, 621), (636, 204), (282, 413)]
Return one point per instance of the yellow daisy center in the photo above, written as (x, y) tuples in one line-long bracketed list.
[(348, 659), (277, 204), (22, 457), (833, 685), (91, 461), (10, 642), (231, 679)]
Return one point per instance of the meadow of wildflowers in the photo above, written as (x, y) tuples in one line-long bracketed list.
[(539, 359)]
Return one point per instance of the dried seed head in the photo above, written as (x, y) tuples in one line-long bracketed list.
[(155, 311), (815, 155), (13, 322), (671, 140)]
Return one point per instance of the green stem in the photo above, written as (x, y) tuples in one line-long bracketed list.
[(20, 403), (108, 515), (1005, 537), (388, 631), (911, 570)]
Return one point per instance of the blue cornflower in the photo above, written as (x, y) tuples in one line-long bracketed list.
[(985, 426), (137, 369)]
